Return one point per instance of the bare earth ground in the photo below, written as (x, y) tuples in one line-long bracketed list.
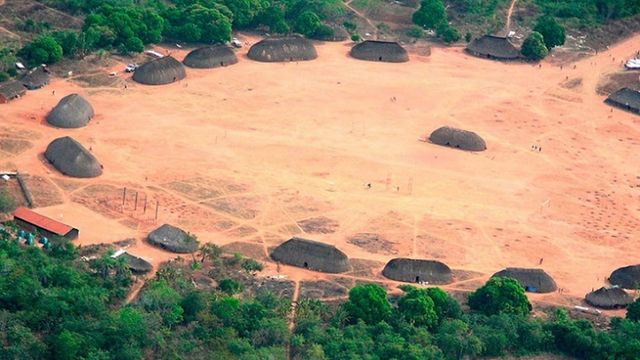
[(256, 153)]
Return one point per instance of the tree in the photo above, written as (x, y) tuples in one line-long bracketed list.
[(500, 295), (68, 40), (552, 32), (533, 47), (415, 31), (455, 339), (633, 311), (230, 286), (418, 308), (7, 204), (448, 33), (444, 305), (367, 303), (430, 15), (245, 11), (307, 23), (42, 50), (134, 44), (209, 251)]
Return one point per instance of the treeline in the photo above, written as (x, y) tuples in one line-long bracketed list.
[(589, 12), (126, 26), (54, 305)]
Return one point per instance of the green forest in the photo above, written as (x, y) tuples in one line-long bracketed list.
[(56, 305)]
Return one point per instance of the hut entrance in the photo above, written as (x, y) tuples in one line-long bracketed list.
[(221, 63), (417, 279), (379, 58), (306, 266)]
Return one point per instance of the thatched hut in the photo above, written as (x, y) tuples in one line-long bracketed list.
[(376, 50), (11, 90), (532, 280), (627, 277), (137, 265), (72, 159), (281, 49), (626, 99), (311, 255), (418, 271), (458, 138), (35, 79), (73, 111), (609, 298), (493, 47), (164, 70), (173, 239), (210, 57)]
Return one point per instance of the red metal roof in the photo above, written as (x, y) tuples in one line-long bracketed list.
[(41, 221)]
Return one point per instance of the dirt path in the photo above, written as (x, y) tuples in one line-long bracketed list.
[(507, 26), (375, 29)]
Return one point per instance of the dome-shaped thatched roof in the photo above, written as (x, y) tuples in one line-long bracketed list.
[(210, 57), (35, 79), (279, 49), (339, 34), (173, 239), (625, 98), (73, 111), (164, 70), (627, 277), (417, 270), (72, 159), (532, 280), (375, 50), (611, 298), (311, 255), (457, 138), (136, 265), (493, 47)]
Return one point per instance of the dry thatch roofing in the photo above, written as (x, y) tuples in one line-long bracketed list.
[(626, 99), (173, 239), (311, 255), (417, 270), (73, 111), (279, 49), (136, 265), (493, 47), (532, 280), (35, 79), (209, 57), (12, 90), (164, 70), (375, 50), (627, 277), (611, 298), (457, 138), (72, 159)]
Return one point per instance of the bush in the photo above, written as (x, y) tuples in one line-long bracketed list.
[(533, 47), (430, 15), (355, 38), (367, 303), (415, 31), (448, 34), (633, 311), (552, 32), (324, 31), (468, 37), (230, 286), (12, 71), (7, 204), (42, 50), (251, 266), (500, 295), (350, 26), (4, 76)]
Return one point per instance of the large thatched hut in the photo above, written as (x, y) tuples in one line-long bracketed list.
[(73, 111), (493, 47), (137, 265), (11, 90), (532, 280), (376, 50), (210, 57), (627, 277), (173, 239), (164, 70), (35, 79), (458, 138), (626, 99), (609, 298), (311, 255), (280, 49), (418, 271), (72, 159)]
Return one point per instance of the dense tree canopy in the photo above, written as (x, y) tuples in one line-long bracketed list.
[(552, 32), (500, 295), (533, 47)]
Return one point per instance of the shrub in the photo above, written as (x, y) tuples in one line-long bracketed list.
[(4, 76), (448, 34), (500, 295), (7, 204), (415, 31), (230, 286), (468, 37), (533, 47), (552, 32), (355, 38)]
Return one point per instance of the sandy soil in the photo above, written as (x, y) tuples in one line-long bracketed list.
[(256, 152)]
